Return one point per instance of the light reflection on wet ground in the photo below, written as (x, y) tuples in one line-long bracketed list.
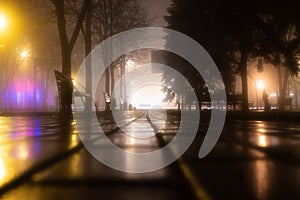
[(253, 159), (25, 141), (81, 167), (279, 139)]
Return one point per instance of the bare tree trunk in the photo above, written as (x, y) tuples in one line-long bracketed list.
[(296, 95), (112, 78), (112, 17), (244, 76), (282, 85), (67, 48), (285, 84), (88, 49)]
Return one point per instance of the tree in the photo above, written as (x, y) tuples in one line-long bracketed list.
[(43, 40), (11, 41), (281, 44), (216, 26), (238, 28), (67, 45), (111, 17)]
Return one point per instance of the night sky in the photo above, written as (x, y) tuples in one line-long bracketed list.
[(157, 9)]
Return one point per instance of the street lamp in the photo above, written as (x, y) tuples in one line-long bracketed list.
[(260, 84), (3, 22), (24, 54)]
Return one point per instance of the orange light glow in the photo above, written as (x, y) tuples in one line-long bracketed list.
[(3, 21), (74, 82), (261, 130), (262, 141), (260, 84)]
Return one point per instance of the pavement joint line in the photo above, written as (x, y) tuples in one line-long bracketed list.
[(117, 128), (195, 184), (188, 175)]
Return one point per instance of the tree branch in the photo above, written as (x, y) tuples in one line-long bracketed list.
[(80, 19)]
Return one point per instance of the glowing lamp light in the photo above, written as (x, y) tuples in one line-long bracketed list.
[(74, 82), (260, 84), (273, 94), (24, 54), (3, 22)]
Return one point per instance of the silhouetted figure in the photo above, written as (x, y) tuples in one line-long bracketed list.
[(266, 101)]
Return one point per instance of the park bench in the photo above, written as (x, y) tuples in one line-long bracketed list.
[(107, 99), (65, 88)]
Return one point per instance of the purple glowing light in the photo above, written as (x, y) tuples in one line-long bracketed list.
[(24, 95)]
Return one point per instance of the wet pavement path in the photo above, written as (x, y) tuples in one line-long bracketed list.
[(42, 158)]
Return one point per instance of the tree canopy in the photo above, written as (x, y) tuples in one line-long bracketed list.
[(234, 31)]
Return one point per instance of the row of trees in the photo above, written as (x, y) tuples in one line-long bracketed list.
[(235, 32), (28, 37), (97, 21), (57, 31)]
